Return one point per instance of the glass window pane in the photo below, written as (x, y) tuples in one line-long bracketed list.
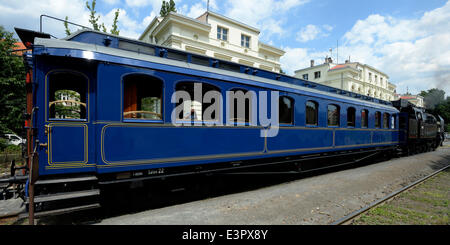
[(385, 120), (194, 110), (240, 104), (364, 118), (351, 117), (311, 113), (377, 119), (333, 115), (286, 110), (142, 97), (68, 96)]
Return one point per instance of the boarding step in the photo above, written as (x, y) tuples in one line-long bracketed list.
[(66, 180), (62, 210), (65, 195)]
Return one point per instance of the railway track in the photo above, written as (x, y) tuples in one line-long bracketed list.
[(351, 216)]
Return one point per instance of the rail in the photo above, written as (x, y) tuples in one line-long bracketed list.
[(384, 199)]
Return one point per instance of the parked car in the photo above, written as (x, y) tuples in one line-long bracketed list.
[(13, 139)]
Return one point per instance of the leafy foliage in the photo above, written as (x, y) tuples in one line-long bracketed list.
[(12, 85), (167, 7), (94, 20)]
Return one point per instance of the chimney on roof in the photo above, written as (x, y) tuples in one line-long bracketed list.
[(312, 63), (347, 61), (328, 60)]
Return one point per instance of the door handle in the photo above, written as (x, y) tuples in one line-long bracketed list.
[(43, 144)]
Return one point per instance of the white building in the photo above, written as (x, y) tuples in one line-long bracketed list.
[(415, 99), (214, 35), (351, 76)]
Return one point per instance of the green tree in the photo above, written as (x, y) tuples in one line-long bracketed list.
[(94, 20), (167, 7), (12, 85)]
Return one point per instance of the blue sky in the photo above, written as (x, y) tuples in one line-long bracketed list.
[(407, 39)]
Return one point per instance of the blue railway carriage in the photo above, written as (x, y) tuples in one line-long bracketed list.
[(101, 109)]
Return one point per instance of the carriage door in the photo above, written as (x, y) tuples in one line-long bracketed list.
[(66, 127)]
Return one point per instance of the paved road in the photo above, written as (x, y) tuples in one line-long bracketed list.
[(313, 200)]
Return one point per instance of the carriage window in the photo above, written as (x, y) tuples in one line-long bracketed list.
[(377, 119), (241, 105), (204, 108), (364, 118), (393, 122), (333, 115), (286, 110), (67, 96), (312, 109), (385, 120), (142, 97), (351, 117)]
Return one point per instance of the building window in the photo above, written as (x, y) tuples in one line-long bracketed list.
[(245, 41), (317, 74), (351, 117), (142, 97), (206, 108), (370, 77), (386, 120), (312, 109), (222, 33), (377, 119), (67, 95), (333, 115), (364, 118), (305, 76), (286, 110)]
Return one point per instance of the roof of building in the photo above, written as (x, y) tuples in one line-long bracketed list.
[(19, 45)]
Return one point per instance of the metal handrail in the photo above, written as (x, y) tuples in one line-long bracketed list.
[(51, 17)]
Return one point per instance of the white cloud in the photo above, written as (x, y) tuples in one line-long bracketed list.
[(25, 14), (267, 15), (298, 58), (312, 32), (415, 53)]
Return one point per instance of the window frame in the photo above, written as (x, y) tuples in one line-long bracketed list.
[(244, 41), (316, 113), (366, 118), (317, 74), (338, 116), (386, 120), (305, 76), (354, 117), (221, 33), (377, 119), (218, 119), (251, 121), (49, 90), (144, 120), (292, 110)]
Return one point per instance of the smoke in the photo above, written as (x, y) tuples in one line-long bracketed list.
[(442, 78)]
